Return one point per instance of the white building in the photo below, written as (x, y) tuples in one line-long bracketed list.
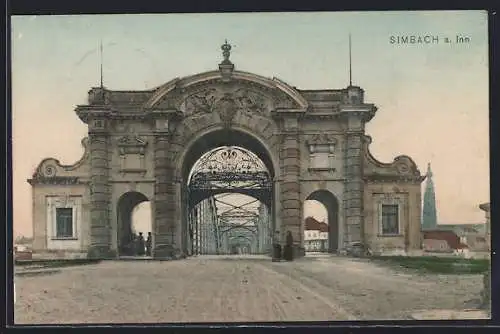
[(315, 236)]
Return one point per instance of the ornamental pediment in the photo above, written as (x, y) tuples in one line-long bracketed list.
[(202, 91), (322, 139), (131, 145), (131, 141), (401, 168)]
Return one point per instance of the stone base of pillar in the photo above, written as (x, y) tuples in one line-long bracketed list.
[(168, 252), (101, 253), (486, 292), (298, 251)]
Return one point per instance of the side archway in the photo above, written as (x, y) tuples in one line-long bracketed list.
[(331, 204), (126, 205)]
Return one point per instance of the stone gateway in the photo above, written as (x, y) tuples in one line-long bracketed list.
[(141, 146)]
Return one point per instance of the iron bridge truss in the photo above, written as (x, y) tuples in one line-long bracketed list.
[(223, 171), (229, 169)]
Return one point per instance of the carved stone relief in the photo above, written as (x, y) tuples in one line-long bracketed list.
[(227, 108), (132, 150), (321, 152), (50, 171), (245, 100), (250, 101), (201, 102), (321, 142)]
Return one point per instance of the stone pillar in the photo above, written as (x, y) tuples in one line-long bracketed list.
[(356, 113), (166, 197), (291, 207), (353, 188), (100, 197)]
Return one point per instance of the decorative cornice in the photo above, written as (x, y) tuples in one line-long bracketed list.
[(365, 111), (332, 115), (56, 180), (377, 178), (485, 206)]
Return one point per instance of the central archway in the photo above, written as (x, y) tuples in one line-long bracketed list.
[(211, 141)]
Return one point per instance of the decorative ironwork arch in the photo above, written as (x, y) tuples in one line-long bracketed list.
[(229, 167)]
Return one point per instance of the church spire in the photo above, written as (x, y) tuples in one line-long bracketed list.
[(429, 214)]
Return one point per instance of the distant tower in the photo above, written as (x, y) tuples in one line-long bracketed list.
[(429, 216)]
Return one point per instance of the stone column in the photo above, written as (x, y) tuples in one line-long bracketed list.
[(291, 207), (353, 188), (100, 197), (166, 197), (356, 113)]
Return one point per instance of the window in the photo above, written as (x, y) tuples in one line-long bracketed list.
[(64, 223), (390, 219)]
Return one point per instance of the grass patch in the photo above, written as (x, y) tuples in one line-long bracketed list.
[(56, 263), (438, 265)]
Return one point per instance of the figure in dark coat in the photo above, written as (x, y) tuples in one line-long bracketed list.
[(276, 256), (149, 242), (140, 244), (132, 245), (288, 251)]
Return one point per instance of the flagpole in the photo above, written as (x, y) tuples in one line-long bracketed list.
[(350, 62), (100, 61)]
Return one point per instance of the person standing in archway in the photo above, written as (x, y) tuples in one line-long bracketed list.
[(132, 245), (140, 245), (288, 251), (276, 256), (149, 241)]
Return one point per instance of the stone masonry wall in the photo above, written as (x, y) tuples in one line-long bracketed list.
[(165, 199), (100, 232), (291, 207), (353, 191)]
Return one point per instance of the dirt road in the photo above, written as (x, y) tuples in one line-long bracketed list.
[(229, 289)]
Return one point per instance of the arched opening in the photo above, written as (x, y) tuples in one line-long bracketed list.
[(228, 195), (134, 224), (321, 232), (228, 221)]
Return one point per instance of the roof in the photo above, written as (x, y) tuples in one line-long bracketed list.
[(449, 236), (314, 225), (461, 228)]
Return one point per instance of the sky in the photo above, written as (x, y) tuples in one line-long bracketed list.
[(432, 99)]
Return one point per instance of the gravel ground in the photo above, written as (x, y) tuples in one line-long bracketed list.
[(233, 289)]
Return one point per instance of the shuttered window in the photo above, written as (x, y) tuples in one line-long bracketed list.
[(390, 219), (64, 222)]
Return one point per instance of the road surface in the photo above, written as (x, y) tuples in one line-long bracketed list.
[(235, 289)]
